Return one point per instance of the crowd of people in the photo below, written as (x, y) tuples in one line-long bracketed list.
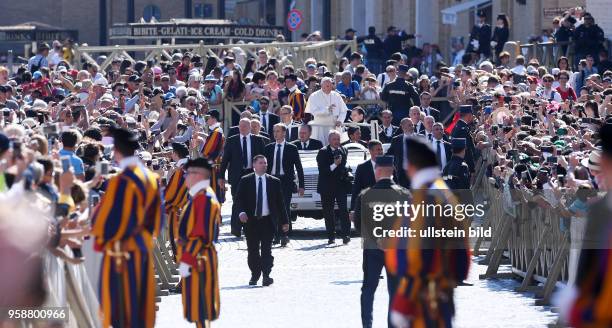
[(106, 155)]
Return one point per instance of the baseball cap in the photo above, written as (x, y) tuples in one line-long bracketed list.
[(37, 75), (134, 78)]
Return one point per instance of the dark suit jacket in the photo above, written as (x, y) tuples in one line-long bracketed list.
[(247, 199), (397, 151), (294, 135), (364, 178), (273, 119), (313, 144), (330, 181), (382, 136), (291, 161), (232, 156), (462, 130), (265, 138), (448, 150), (433, 112)]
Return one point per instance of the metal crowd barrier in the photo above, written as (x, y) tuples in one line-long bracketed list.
[(294, 53), (529, 238)]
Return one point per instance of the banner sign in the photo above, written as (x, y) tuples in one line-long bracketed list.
[(36, 36), (194, 31)]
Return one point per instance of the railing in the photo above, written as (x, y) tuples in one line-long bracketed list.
[(547, 53), (530, 238), (294, 53)]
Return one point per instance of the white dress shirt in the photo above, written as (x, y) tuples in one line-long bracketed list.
[(282, 149), (429, 136), (442, 151), (249, 154), (265, 210), (198, 186), (388, 131), (305, 144), (132, 161), (333, 165), (427, 110)]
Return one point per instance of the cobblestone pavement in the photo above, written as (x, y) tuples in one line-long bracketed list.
[(316, 285)]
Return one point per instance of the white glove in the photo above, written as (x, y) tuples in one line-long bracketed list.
[(184, 269), (398, 320), (493, 43), (475, 44)]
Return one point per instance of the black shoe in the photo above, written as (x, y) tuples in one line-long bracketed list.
[(253, 280), (346, 240), (331, 241), (176, 289), (463, 283), (267, 281), (276, 241), (284, 241)]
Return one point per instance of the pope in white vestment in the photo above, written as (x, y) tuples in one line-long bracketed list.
[(328, 110)]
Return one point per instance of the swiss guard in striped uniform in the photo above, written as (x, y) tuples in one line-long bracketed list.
[(296, 98), (124, 226), (199, 228), (213, 148), (175, 195), (589, 302), (428, 268)]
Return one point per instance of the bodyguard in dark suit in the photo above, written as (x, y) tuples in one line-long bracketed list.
[(332, 186), (383, 190), (364, 177), (238, 153), (262, 210), (426, 106), (442, 147), (397, 151), (284, 161), (387, 130), (462, 130), (305, 142), (267, 119)]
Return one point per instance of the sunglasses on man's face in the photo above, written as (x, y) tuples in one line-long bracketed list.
[(547, 80)]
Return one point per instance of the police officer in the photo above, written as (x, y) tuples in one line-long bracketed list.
[(400, 95), (375, 51), (456, 173), (462, 130), (384, 190)]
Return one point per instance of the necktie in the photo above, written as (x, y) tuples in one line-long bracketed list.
[(439, 153), (245, 157), (429, 136), (303, 145), (288, 134), (277, 161), (259, 199), (264, 121)]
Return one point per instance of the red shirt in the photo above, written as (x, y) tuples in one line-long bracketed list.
[(568, 94)]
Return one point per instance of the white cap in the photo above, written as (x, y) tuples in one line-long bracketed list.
[(107, 97), (102, 81), (555, 71), (39, 103)]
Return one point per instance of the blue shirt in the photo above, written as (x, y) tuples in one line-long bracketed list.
[(348, 91), (75, 161)]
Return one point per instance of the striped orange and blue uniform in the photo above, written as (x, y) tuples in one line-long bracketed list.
[(199, 228), (417, 261), (297, 102), (175, 198), (130, 215), (212, 151)]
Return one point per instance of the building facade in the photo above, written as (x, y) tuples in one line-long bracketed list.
[(436, 21)]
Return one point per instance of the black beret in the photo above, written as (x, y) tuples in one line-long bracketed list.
[(125, 137)]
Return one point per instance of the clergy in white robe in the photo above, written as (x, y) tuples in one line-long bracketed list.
[(328, 110)]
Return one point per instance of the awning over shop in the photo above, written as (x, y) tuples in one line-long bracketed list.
[(449, 15)]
